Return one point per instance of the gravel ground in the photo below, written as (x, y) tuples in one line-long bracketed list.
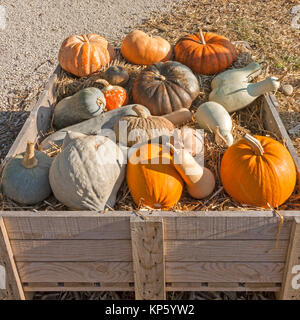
[(31, 39)]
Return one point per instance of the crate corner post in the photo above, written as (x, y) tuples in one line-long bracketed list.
[(147, 238)]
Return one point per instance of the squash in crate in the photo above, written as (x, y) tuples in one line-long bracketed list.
[(83, 105), (140, 48), (88, 172), (115, 96), (85, 54), (258, 171), (165, 87), (116, 75), (25, 178), (152, 179), (131, 130), (205, 53)]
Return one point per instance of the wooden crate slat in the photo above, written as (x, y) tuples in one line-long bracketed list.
[(72, 250), (75, 271), (225, 250), (224, 271)]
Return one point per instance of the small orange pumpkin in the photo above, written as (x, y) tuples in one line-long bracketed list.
[(115, 96), (152, 179), (205, 53), (140, 48), (258, 171), (85, 54)]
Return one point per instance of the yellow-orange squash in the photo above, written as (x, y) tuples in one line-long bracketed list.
[(152, 179), (258, 171), (85, 54), (140, 48), (205, 53)]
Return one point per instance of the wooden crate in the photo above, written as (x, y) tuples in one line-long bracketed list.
[(150, 253)]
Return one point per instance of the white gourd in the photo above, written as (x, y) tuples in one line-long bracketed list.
[(234, 96), (214, 117), (246, 74)]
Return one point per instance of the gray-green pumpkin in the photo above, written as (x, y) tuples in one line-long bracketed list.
[(88, 173), (25, 178), (85, 104)]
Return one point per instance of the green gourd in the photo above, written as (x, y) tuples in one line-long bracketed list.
[(237, 95), (245, 74), (83, 105), (25, 178), (88, 172), (214, 117)]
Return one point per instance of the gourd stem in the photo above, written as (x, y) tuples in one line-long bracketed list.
[(100, 101), (104, 82), (29, 160), (202, 37), (255, 144), (140, 112)]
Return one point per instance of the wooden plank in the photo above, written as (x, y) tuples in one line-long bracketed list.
[(225, 250), (12, 289), (148, 258), (291, 281), (273, 123), (224, 272), (72, 250), (194, 226), (76, 271), (39, 119)]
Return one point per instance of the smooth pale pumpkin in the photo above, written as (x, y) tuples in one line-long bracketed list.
[(205, 53), (165, 87), (152, 179), (258, 171), (25, 177), (85, 54), (140, 48)]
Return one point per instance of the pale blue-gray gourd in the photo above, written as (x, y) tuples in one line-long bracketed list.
[(25, 178)]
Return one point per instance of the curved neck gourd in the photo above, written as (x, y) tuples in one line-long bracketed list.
[(262, 87)]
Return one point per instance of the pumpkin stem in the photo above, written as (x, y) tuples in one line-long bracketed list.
[(255, 144), (202, 37), (29, 160), (85, 38), (140, 111), (100, 101)]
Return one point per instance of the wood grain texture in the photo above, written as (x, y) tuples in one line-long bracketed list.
[(13, 288), (226, 250), (292, 269), (148, 258), (113, 272), (72, 250)]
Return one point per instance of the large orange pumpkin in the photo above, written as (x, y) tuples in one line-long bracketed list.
[(85, 54), (258, 171), (152, 179), (140, 48), (205, 53)]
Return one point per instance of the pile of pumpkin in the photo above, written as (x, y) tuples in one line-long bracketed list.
[(88, 172)]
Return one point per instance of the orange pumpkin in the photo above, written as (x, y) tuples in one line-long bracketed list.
[(115, 96), (258, 171), (152, 179), (205, 53), (139, 48), (85, 54)]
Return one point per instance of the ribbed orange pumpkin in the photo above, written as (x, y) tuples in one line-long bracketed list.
[(85, 54), (205, 53), (152, 179), (140, 48), (258, 170)]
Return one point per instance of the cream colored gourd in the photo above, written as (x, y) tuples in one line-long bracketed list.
[(88, 172), (214, 117), (246, 74), (237, 95), (200, 181)]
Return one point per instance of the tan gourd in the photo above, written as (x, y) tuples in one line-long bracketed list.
[(200, 181), (237, 95), (179, 117), (245, 74)]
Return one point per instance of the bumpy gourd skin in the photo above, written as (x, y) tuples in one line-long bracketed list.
[(27, 185), (81, 106)]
